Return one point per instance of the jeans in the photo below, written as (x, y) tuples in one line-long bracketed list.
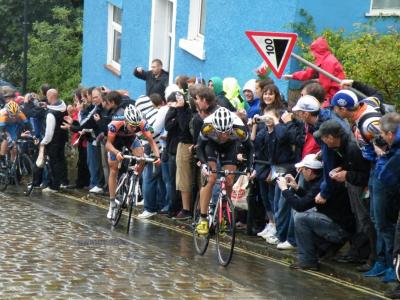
[(283, 218), (167, 185), (385, 210), (264, 195), (380, 246), (312, 229), (154, 190), (94, 165)]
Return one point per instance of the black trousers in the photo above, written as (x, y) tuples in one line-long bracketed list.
[(58, 172), (83, 176), (175, 202)]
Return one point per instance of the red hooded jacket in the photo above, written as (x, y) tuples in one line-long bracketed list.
[(327, 61)]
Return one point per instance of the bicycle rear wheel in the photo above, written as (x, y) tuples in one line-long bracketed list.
[(24, 174), (200, 241), (225, 230), (120, 196)]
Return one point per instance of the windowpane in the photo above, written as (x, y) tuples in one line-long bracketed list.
[(203, 17), (117, 47), (385, 4), (117, 15)]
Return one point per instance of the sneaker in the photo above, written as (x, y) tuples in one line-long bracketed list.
[(377, 270), (146, 214), (273, 240), (272, 230), (202, 227), (390, 275), (64, 186), (183, 215), (394, 293), (111, 209), (396, 263), (265, 231), (96, 190), (285, 246), (49, 190)]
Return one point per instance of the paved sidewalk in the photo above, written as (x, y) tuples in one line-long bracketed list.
[(258, 245)]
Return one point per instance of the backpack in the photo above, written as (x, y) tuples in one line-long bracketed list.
[(379, 105)]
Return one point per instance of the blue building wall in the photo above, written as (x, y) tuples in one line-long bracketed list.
[(136, 20), (228, 50)]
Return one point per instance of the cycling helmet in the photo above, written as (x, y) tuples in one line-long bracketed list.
[(12, 107), (132, 115), (222, 120)]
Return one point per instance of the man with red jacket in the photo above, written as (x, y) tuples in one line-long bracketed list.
[(326, 61)]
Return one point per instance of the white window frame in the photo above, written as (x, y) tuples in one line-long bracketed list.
[(383, 12), (112, 27), (194, 43)]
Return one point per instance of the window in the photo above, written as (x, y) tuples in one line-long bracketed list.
[(114, 37), (194, 43), (384, 8)]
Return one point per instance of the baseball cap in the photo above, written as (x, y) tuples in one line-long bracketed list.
[(309, 161), (307, 103), (345, 99), (329, 127), (170, 89)]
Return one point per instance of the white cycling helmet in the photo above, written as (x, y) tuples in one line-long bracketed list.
[(132, 115), (222, 120)]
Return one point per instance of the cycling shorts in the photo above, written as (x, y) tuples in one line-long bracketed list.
[(12, 130), (226, 153), (122, 142)]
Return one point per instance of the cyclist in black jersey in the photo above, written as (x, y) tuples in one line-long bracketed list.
[(220, 136)]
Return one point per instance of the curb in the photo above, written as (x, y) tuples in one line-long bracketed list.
[(256, 245)]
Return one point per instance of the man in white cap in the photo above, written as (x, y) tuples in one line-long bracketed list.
[(307, 110), (315, 228)]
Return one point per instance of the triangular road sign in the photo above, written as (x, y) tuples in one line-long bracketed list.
[(274, 47)]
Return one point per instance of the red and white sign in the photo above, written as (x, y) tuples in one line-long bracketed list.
[(274, 47)]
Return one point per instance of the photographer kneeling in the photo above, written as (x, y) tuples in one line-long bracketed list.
[(315, 224)]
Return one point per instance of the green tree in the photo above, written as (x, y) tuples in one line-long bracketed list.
[(56, 51), (11, 33), (366, 55)]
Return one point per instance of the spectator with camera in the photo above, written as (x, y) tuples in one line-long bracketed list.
[(317, 230), (181, 111), (282, 158)]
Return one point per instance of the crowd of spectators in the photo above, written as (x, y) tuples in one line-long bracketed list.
[(326, 174)]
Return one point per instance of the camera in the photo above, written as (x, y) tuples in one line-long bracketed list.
[(261, 119)]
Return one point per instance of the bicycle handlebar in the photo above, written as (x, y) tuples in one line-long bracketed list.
[(139, 158)]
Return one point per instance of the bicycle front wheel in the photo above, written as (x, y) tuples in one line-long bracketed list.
[(200, 241), (120, 196), (225, 230), (3, 180)]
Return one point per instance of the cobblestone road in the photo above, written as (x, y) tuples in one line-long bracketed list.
[(58, 248)]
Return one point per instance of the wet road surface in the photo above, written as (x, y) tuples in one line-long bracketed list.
[(55, 247)]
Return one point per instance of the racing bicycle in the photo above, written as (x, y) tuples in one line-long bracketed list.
[(128, 189), (221, 221)]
